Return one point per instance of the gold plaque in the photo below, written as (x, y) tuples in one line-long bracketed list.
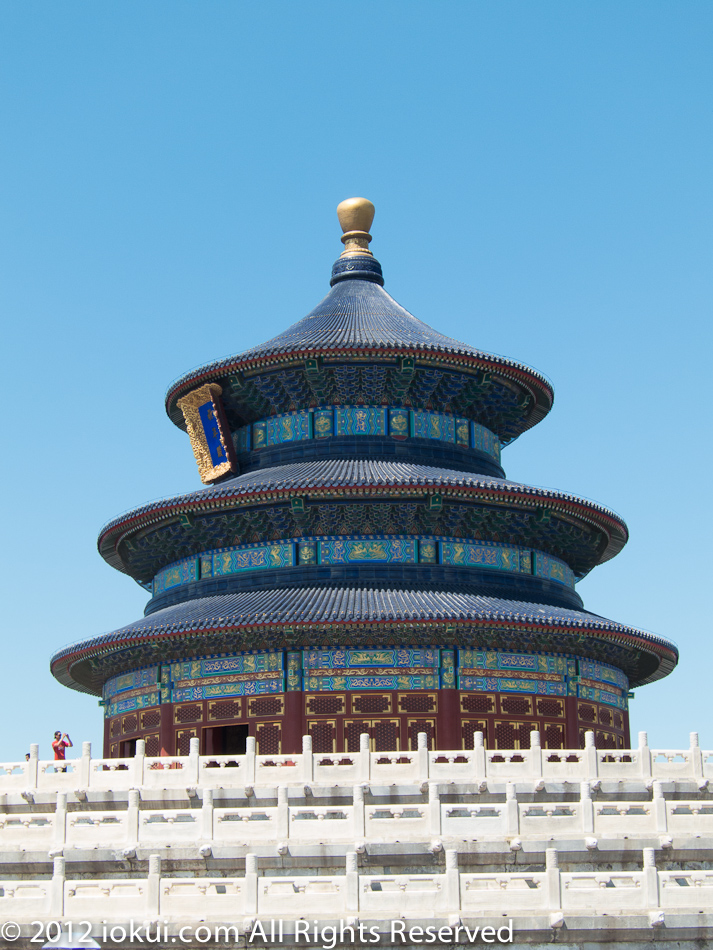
[(208, 431)]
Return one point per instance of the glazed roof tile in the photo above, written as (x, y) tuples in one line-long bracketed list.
[(355, 315), (343, 605), (349, 474)]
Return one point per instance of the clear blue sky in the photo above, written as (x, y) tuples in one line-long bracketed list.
[(168, 178)]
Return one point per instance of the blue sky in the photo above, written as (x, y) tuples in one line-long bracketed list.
[(168, 179)]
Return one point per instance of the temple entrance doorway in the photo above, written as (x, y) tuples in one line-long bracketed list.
[(225, 740), (128, 749)]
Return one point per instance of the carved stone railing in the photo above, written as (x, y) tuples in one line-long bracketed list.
[(476, 765), (550, 895)]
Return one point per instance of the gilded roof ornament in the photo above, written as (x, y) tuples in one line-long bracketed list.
[(355, 216)]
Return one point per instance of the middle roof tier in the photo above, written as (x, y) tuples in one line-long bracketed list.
[(347, 498)]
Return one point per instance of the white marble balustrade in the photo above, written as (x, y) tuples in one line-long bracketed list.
[(386, 768), (515, 893)]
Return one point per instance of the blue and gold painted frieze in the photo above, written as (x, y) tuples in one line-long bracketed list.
[(374, 679), (338, 669), (492, 684), (183, 572), (602, 696), (516, 662), (360, 420), (500, 557), (342, 659), (289, 427), (603, 673), (241, 674), (542, 674), (553, 569), (374, 551), (390, 668), (360, 549), (397, 422), (253, 557), (136, 680)]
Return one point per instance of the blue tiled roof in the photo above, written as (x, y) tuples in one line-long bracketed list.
[(346, 473), (335, 473), (356, 314), (324, 605)]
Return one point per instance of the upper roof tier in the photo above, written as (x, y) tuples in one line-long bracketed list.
[(359, 318)]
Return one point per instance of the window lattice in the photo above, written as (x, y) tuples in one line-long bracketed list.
[(269, 736), (468, 730), (477, 703), (550, 707), (418, 703), (130, 724), (421, 725), (516, 705), (553, 737), (150, 719), (189, 713), (323, 735), (371, 704), (352, 731), (225, 709), (153, 745), (183, 741), (325, 705), (265, 706)]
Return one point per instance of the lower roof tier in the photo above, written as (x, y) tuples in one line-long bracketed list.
[(308, 617)]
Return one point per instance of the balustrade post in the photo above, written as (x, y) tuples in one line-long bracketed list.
[(696, 756), (651, 880), (250, 760), (207, 815), (434, 809), (658, 805), (644, 756), (85, 765), (31, 771), (307, 760), (352, 873), (132, 819), (153, 886), (358, 811), (57, 888), (60, 820), (283, 813), (591, 762), (250, 884), (194, 749), (139, 763), (479, 766), (422, 753), (512, 812), (535, 755), (452, 895), (364, 757), (553, 885), (586, 807)]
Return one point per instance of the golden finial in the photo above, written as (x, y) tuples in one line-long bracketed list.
[(355, 216)]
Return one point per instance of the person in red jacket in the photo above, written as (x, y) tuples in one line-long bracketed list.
[(61, 742)]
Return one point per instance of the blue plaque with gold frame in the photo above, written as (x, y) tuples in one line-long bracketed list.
[(209, 433)]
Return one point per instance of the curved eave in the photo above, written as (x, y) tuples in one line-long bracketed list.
[(337, 611), (360, 479), (534, 383)]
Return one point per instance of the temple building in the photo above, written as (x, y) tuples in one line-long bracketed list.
[(357, 561)]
